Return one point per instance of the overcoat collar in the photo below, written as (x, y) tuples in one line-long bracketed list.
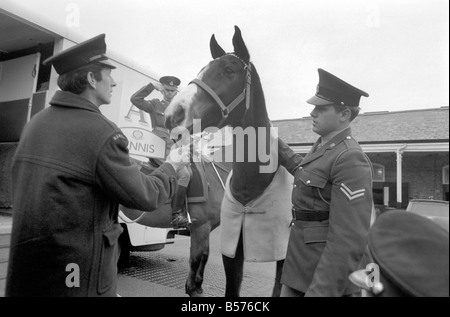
[(315, 153), (71, 100)]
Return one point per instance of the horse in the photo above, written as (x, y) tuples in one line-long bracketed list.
[(228, 92), (205, 218)]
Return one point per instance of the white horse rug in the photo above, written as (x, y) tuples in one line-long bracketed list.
[(265, 221)]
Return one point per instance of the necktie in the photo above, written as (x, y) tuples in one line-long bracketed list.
[(317, 147)]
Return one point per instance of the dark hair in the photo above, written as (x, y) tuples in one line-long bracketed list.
[(354, 111), (76, 82)]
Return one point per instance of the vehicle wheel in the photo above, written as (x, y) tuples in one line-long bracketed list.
[(124, 250)]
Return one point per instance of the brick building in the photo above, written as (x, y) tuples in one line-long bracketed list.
[(408, 149)]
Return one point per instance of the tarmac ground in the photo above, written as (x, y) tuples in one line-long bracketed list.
[(163, 273)]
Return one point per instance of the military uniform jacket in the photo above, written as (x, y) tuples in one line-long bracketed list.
[(70, 172), (321, 254), (154, 107)]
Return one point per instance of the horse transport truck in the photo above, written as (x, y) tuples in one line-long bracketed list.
[(26, 87)]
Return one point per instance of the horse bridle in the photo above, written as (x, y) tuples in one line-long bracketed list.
[(245, 94)]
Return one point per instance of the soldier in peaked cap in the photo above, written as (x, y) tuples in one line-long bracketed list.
[(408, 255), (87, 53), (70, 172), (168, 86), (170, 83), (331, 197)]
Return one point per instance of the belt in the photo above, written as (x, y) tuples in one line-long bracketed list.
[(308, 215)]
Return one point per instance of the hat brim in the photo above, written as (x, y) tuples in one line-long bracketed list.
[(317, 101), (167, 87), (107, 63)]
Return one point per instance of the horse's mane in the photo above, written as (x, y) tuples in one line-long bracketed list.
[(257, 113)]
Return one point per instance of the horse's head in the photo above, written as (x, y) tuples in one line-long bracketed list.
[(218, 95)]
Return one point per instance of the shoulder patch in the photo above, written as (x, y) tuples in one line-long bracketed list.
[(352, 194), (118, 136)]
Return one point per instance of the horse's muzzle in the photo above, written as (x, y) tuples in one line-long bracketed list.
[(176, 118)]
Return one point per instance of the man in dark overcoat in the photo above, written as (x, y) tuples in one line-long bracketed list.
[(71, 171)]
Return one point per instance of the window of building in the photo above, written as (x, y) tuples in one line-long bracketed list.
[(378, 172), (445, 175)]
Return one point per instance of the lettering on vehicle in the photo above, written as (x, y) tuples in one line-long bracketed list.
[(140, 113), (142, 147), (143, 143)]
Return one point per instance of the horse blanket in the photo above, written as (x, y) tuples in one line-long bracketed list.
[(265, 221)]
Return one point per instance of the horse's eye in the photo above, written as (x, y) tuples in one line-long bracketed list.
[(229, 70)]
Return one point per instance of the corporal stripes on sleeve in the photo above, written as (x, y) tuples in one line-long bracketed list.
[(350, 193)]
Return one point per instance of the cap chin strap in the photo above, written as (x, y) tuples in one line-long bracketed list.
[(245, 94)]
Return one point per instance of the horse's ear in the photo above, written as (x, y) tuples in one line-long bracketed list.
[(216, 50), (239, 46)]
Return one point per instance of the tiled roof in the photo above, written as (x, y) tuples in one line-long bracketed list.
[(410, 125)]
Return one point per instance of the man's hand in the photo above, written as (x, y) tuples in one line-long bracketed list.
[(158, 86), (179, 156)]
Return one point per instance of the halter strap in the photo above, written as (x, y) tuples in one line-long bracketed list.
[(245, 94), (225, 109)]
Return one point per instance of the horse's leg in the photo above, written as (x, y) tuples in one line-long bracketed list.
[(234, 269), (202, 264), (204, 238), (277, 287), (199, 253)]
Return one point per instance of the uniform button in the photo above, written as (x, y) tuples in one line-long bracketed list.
[(308, 182), (348, 137), (295, 185), (332, 145), (300, 168)]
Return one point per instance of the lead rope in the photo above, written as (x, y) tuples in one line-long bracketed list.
[(131, 221), (218, 175)]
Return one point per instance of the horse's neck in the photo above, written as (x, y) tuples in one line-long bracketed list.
[(248, 181)]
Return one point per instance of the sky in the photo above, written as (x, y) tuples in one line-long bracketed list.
[(396, 50)]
